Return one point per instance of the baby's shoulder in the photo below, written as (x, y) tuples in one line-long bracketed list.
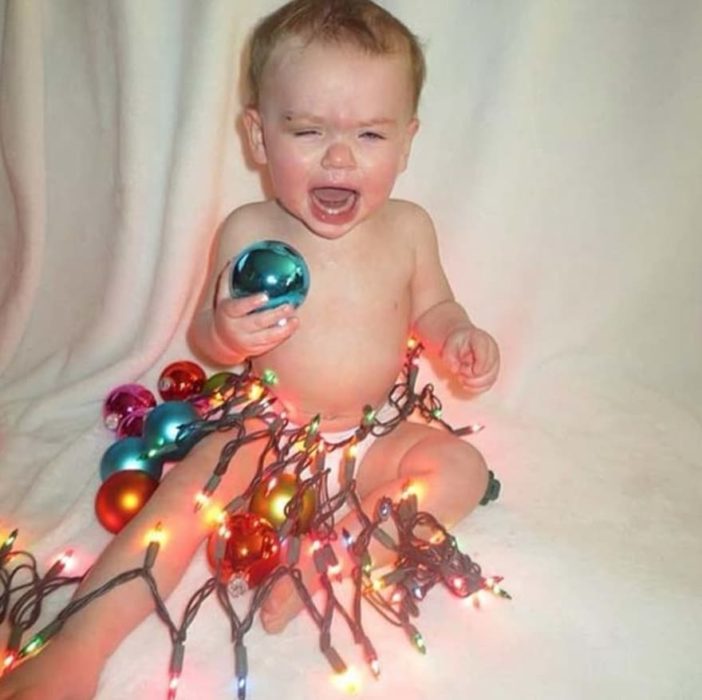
[(246, 224), (249, 216), (408, 217)]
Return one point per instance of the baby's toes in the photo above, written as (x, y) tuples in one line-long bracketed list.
[(280, 606)]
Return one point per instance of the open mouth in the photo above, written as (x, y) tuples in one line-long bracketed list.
[(334, 203)]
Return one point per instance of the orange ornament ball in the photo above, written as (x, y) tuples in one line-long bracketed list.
[(122, 496), (271, 496)]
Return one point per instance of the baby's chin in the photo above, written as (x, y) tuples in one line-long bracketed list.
[(329, 230)]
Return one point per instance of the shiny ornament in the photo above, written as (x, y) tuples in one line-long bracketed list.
[(121, 497), (130, 453), (181, 380), (162, 427), (271, 496), (252, 549), (132, 425), (272, 267), (124, 400), (216, 388)]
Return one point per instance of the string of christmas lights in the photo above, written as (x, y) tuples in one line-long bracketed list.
[(292, 459)]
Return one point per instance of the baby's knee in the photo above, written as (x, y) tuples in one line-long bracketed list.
[(454, 461), (469, 467)]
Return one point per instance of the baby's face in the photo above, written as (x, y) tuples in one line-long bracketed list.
[(335, 126)]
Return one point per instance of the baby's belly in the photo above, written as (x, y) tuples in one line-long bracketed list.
[(338, 377)]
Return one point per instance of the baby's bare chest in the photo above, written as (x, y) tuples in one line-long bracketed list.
[(369, 287)]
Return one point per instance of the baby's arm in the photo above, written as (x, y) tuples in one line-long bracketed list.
[(441, 322), (229, 333)]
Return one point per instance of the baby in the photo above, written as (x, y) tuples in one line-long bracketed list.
[(334, 91)]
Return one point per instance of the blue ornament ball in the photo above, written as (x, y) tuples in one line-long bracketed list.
[(273, 267), (163, 425), (129, 454)]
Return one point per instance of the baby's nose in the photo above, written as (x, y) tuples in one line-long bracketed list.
[(339, 155)]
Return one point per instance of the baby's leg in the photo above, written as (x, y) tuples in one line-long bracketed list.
[(89, 637), (451, 477)]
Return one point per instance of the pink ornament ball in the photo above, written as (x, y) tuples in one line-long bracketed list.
[(124, 400), (180, 380), (132, 425)]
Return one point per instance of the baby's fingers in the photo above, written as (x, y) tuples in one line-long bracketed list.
[(486, 354), (270, 336), (270, 318), (242, 306)]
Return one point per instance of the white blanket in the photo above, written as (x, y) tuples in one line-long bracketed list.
[(560, 156)]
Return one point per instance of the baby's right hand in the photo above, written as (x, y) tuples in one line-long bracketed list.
[(252, 334)]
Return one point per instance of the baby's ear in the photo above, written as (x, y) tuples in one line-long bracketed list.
[(412, 128), (254, 132)]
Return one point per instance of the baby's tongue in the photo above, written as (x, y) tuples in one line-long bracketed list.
[(332, 196)]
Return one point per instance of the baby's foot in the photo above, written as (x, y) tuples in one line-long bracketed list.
[(280, 606), (283, 602)]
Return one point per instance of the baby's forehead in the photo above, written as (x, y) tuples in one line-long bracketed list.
[(293, 46)]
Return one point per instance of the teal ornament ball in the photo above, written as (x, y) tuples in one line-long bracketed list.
[(273, 267), (130, 453), (163, 426)]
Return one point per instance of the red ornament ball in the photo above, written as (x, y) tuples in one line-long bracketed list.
[(181, 380), (125, 400), (252, 548), (122, 496)]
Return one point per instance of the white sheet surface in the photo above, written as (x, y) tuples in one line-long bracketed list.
[(560, 156)]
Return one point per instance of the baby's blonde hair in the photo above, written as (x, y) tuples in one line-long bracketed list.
[(359, 23)]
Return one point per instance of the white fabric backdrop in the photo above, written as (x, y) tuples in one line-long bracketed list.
[(561, 158)]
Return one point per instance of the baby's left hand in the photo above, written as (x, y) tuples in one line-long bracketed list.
[(473, 356)]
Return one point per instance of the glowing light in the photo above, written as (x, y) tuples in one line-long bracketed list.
[(255, 391), (66, 559), (335, 570), (269, 377), (459, 583), (9, 660), (397, 596), (225, 532), (201, 500), (33, 645), (412, 343), (349, 681), (316, 544), (375, 667), (352, 450), (413, 488), (10, 539), (156, 535), (418, 642)]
